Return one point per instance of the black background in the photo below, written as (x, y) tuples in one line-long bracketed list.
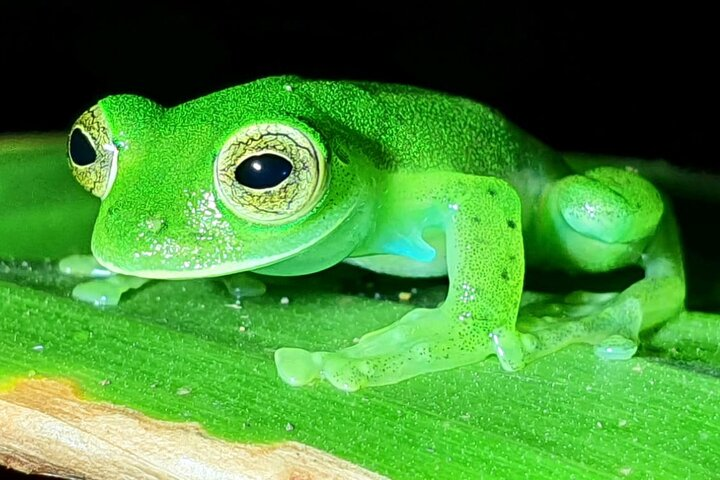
[(608, 79)]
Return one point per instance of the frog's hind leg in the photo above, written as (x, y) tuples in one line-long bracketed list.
[(599, 221)]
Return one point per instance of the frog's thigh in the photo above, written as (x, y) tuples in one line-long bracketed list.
[(485, 263), (598, 221), (602, 220)]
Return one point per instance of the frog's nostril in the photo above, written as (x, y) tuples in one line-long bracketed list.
[(155, 224)]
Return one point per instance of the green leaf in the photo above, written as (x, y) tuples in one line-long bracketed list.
[(45, 213), (177, 351), (184, 351)]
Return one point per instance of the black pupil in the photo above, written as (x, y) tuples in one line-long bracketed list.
[(81, 152), (263, 171)]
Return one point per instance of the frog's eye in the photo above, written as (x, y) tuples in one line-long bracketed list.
[(92, 154), (270, 173)]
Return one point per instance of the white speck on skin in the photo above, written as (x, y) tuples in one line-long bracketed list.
[(39, 348), (288, 88), (590, 210), (454, 206), (284, 301), (182, 391), (468, 294)]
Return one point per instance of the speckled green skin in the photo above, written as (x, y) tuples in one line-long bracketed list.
[(420, 184)]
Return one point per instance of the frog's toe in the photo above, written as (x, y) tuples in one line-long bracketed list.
[(97, 292), (298, 367), (243, 285), (106, 291), (616, 347), (347, 374), (84, 266), (511, 348)]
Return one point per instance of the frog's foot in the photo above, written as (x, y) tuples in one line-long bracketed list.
[(610, 322), (244, 285), (84, 266), (106, 290), (541, 310), (422, 341)]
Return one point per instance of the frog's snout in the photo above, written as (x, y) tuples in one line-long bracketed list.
[(163, 238)]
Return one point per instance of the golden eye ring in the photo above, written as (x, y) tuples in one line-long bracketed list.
[(92, 155), (271, 173)]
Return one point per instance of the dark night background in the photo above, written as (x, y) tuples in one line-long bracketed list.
[(604, 79), (607, 79)]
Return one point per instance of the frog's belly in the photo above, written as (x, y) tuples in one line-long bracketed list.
[(406, 266), (401, 266)]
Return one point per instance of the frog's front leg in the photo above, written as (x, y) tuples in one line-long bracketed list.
[(480, 218), (106, 288)]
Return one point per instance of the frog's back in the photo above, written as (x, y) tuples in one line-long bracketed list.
[(397, 127), (418, 129)]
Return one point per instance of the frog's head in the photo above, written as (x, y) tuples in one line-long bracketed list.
[(235, 181)]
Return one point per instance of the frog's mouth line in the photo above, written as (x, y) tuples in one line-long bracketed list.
[(222, 269), (191, 273)]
